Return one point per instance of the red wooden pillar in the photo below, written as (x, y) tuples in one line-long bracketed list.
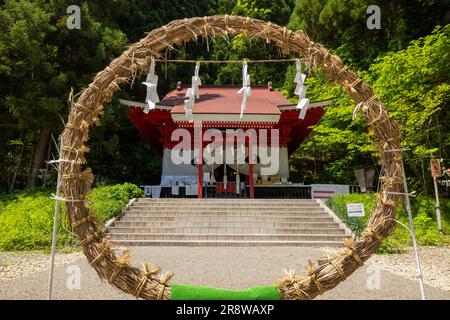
[(252, 181), (200, 168), (250, 172)]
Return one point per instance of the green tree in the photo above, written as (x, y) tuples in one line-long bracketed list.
[(40, 60), (29, 73), (414, 83), (341, 25), (338, 145)]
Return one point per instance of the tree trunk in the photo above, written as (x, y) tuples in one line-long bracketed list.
[(19, 160), (39, 156), (438, 127), (424, 179), (47, 158)]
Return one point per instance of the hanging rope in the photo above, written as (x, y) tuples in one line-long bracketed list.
[(224, 61)]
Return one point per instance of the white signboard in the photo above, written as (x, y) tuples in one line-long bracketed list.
[(355, 210), (325, 191)]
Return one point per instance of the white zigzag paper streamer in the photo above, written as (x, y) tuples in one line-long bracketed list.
[(300, 90), (151, 83), (246, 90)]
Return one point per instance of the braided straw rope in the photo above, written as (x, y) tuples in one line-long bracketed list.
[(76, 182)]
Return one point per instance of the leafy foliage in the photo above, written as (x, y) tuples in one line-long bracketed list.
[(423, 218), (41, 59), (414, 83), (26, 220), (337, 145), (109, 201), (341, 25), (26, 217)]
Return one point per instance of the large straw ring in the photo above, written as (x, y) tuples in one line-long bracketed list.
[(324, 276)]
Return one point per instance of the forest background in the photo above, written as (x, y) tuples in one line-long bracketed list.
[(406, 61)]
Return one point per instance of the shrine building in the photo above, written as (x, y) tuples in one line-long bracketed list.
[(218, 108)]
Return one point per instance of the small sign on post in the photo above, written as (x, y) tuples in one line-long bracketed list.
[(355, 210), (435, 166)]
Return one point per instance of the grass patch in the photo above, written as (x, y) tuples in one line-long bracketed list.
[(26, 217), (109, 201), (424, 219)]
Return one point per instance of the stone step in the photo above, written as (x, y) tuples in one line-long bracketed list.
[(230, 205), (224, 209), (226, 215), (225, 200), (222, 243), (226, 222), (223, 206), (243, 224), (236, 213), (221, 218), (149, 224), (239, 237), (228, 230)]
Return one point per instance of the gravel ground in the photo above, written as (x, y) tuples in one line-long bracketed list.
[(14, 265), (25, 277), (435, 263)]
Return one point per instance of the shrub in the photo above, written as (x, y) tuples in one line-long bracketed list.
[(339, 205), (109, 201), (26, 217), (26, 220), (423, 217)]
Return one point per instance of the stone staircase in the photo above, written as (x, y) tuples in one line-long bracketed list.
[(227, 222)]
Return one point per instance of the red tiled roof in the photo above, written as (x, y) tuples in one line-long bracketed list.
[(226, 100)]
